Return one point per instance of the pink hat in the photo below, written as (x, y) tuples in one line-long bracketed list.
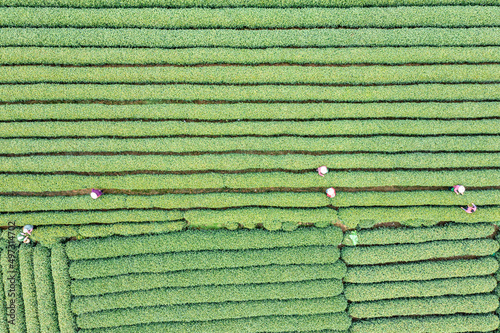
[(322, 170)]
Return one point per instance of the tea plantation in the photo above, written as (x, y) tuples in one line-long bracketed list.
[(204, 124)]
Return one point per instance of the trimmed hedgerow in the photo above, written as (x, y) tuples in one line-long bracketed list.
[(208, 294), (450, 231), (330, 321), (87, 217), (47, 312), (358, 292), (229, 276), (210, 311), (276, 55), (370, 255), (427, 270), (235, 93), (253, 111), (196, 240), (180, 38), (9, 203), (62, 289), (482, 143), (244, 162), (416, 216), (238, 3), (449, 323), (159, 263), (480, 303), (325, 75), (40, 183), (202, 18), (15, 313), (28, 287)]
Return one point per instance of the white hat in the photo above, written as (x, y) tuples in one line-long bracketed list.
[(323, 169), (461, 189), (330, 192)]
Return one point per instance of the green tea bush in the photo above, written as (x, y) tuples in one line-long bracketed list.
[(267, 216), (427, 270), (482, 143), (50, 235), (244, 162), (253, 180), (270, 74), (46, 301), (184, 38), (480, 303), (62, 289), (331, 321), (415, 216), (210, 311), (178, 261), (129, 229), (193, 278), (437, 16), (358, 292), (197, 240), (370, 255), (251, 111), (28, 288), (208, 294), (13, 297), (449, 323), (276, 55), (237, 3), (450, 231), (430, 92)]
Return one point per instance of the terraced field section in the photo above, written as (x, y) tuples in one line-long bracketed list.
[(435, 279), (199, 115)]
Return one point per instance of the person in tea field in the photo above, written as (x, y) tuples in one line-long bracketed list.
[(470, 209)]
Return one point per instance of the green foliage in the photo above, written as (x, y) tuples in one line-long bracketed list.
[(229, 276), (9, 260), (450, 231), (210, 311), (450, 323), (47, 312), (238, 3), (10, 203), (415, 216), (330, 321), (326, 75), (267, 216), (439, 16), (251, 111), (198, 240), (265, 144), (177, 261), (357, 292), (180, 38), (129, 229), (277, 55), (236, 93), (87, 217), (62, 289), (370, 255), (28, 288), (427, 270), (480, 303), (209, 294), (41, 182), (50, 235), (289, 226)]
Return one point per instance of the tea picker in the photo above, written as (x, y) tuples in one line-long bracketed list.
[(322, 170), (24, 236), (330, 192), (458, 189), (95, 194), (470, 209)]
